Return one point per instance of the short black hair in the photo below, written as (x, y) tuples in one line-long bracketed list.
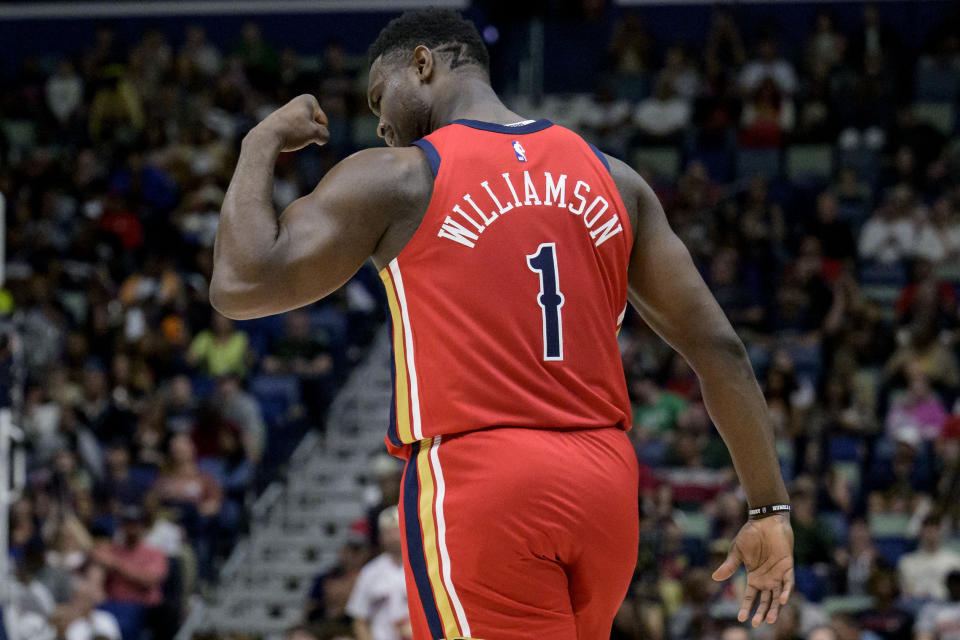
[(443, 30)]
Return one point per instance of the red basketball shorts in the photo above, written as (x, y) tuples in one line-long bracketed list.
[(514, 534)]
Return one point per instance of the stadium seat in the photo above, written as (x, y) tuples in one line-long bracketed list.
[(753, 162), (890, 275), (664, 162), (262, 332), (276, 394), (891, 549), (809, 162), (865, 161), (695, 524), (838, 523), (21, 134), (809, 583), (203, 386), (889, 525), (949, 270), (844, 449), (937, 84), (846, 604), (939, 115), (632, 87), (850, 471)]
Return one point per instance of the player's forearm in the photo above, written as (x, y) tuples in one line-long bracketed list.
[(736, 405), (248, 225)]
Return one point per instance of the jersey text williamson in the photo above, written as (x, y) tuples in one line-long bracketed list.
[(470, 218)]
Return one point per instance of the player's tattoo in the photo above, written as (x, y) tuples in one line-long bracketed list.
[(456, 53)]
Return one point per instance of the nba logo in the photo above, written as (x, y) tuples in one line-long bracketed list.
[(517, 149)]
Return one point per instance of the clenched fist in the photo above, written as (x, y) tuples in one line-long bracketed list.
[(297, 123)]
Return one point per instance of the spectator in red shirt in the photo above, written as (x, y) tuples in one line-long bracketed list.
[(132, 570)]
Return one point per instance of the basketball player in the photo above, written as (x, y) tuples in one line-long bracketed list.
[(509, 249)]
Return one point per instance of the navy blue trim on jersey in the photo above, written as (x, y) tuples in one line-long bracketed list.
[(600, 155), (392, 427), (532, 127), (3, 625), (432, 156), (414, 540)]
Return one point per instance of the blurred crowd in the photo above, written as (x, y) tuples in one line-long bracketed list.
[(152, 421)]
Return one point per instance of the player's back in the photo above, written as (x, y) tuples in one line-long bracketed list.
[(507, 300)]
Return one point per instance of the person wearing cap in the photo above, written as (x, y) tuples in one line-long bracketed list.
[(378, 602), (331, 589), (923, 572), (130, 572)]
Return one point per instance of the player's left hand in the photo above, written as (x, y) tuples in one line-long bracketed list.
[(765, 547)]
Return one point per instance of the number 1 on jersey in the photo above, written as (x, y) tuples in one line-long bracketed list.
[(544, 263)]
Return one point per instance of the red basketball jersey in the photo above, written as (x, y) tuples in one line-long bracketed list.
[(507, 300)]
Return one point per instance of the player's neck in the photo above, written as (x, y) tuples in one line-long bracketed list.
[(472, 99)]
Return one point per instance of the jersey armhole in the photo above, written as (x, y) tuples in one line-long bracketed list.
[(433, 157), (600, 155)]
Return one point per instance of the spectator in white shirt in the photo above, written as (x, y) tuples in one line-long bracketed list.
[(941, 620), (923, 572), (605, 120), (768, 65), (888, 235), (663, 115), (681, 73), (64, 91), (378, 602), (80, 620)]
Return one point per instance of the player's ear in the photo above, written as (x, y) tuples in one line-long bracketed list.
[(424, 62)]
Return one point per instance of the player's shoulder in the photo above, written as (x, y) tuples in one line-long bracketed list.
[(636, 194), (388, 163), (398, 173)]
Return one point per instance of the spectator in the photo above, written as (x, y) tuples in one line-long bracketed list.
[(116, 114), (130, 572), (631, 46), (605, 120), (331, 590), (661, 117), (681, 73), (923, 572), (196, 495), (767, 118), (768, 66), (941, 620), (724, 43), (300, 351), (221, 349), (917, 408), (655, 411), (826, 46), (81, 620), (241, 409), (855, 563), (378, 602), (835, 236), (888, 236), (847, 627), (885, 618), (64, 92), (812, 539)]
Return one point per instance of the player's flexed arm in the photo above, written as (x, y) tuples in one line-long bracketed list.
[(264, 264), (667, 290)]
